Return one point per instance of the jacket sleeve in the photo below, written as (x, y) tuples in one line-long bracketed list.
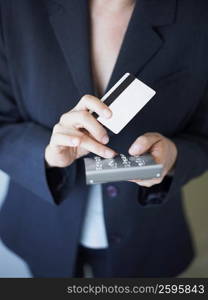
[(22, 145), (192, 159)]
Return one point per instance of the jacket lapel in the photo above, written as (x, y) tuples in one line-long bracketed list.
[(70, 21), (142, 42)]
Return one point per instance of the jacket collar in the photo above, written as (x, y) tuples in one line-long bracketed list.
[(70, 21)]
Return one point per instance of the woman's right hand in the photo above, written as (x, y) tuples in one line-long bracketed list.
[(79, 133)]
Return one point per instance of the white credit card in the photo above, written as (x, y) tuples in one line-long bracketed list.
[(125, 99)]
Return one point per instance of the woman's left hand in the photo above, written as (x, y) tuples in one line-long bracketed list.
[(161, 148)]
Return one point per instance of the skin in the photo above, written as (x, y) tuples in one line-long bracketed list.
[(78, 132)]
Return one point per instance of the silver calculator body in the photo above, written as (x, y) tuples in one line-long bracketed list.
[(120, 168)]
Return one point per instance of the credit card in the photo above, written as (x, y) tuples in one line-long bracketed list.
[(125, 99)]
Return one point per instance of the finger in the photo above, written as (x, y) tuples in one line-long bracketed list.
[(158, 151), (144, 143), (58, 128), (61, 139), (89, 102), (93, 146), (79, 139), (148, 183), (83, 119)]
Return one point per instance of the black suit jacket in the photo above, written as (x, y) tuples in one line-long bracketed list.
[(44, 70)]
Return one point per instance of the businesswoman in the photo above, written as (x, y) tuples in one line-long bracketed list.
[(57, 58)]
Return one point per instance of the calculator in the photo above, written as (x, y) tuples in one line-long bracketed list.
[(121, 167)]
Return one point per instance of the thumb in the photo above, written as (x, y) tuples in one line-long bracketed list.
[(144, 143)]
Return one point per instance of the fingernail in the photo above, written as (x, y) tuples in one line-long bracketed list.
[(135, 149), (109, 154), (107, 113), (105, 139), (75, 141)]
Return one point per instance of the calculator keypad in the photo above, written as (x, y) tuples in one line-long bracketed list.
[(120, 161)]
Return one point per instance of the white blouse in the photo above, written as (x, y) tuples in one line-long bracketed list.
[(93, 233)]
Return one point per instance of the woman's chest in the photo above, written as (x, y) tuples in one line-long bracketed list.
[(107, 35)]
